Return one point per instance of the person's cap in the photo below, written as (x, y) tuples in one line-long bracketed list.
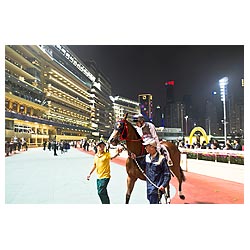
[(150, 141), (100, 142), (138, 117)]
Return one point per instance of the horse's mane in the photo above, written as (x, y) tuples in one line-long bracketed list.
[(137, 134)]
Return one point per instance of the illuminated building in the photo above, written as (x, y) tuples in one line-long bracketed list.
[(122, 105), (146, 105), (48, 95), (102, 116), (169, 91), (169, 108), (158, 116)]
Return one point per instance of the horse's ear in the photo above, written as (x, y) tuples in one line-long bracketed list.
[(125, 116)]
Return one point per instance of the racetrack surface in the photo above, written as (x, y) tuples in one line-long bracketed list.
[(201, 189)]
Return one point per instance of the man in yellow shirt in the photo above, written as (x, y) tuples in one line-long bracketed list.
[(102, 166)]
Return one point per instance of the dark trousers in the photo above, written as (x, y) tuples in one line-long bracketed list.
[(102, 190), (154, 198)]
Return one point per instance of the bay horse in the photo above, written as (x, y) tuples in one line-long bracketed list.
[(125, 131)]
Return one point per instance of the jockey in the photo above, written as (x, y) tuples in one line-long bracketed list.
[(147, 130)]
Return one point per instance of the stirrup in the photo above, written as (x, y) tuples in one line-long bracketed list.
[(170, 163)]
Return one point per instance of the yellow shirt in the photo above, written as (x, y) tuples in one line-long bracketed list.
[(102, 163)]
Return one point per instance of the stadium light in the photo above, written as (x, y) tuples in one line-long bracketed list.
[(223, 92)]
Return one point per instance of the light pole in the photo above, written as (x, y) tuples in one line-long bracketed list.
[(209, 126), (186, 117), (223, 90)]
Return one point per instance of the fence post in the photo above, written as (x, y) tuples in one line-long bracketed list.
[(183, 162)]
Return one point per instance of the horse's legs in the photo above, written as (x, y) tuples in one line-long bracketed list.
[(167, 193), (130, 185), (180, 179)]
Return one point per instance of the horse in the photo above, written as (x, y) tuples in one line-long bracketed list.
[(124, 130)]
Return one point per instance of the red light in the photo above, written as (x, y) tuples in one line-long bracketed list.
[(170, 83)]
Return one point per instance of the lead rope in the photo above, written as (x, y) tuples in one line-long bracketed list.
[(159, 192)]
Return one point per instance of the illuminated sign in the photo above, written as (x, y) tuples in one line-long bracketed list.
[(169, 83), (75, 62)]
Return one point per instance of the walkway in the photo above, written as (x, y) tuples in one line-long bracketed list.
[(39, 177)]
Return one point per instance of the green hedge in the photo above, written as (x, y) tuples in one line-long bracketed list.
[(233, 159), (237, 160), (191, 155), (223, 158), (206, 157)]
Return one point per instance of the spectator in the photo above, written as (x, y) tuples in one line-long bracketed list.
[(44, 145), (228, 145), (215, 145), (54, 147), (87, 146), (203, 145), (61, 145), (187, 145), (49, 146), (237, 145)]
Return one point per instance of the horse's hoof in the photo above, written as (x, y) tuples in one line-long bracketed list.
[(182, 197)]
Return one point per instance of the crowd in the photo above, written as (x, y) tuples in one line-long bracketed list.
[(214, 144), (15, 145), (54, 146), (64, 146)]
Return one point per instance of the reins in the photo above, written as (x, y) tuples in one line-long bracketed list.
[(139, 166), (125, 129), (124, 135)]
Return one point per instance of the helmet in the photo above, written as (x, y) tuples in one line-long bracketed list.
[(138, 117)]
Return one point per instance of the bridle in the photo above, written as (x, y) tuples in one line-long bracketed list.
[(122, 127)]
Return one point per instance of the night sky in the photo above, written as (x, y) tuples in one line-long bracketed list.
[(196, 69)]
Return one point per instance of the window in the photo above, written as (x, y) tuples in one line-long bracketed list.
[(7, 104), (14, 106)]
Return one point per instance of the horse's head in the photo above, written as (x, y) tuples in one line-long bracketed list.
[(120, 132), (124, 130)]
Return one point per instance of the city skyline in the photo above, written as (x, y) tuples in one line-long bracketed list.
[(141, 69)]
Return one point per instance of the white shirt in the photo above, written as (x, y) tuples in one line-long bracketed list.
[(152, 131)]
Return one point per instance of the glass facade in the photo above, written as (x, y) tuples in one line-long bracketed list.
[(51, 94), (122, 105), (45, 96)]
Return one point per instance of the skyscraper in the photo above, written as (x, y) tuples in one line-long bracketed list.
[(146, 105), (170, 91), (158, 116), (169, 103)]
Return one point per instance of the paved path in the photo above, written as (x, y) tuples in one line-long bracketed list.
[(39, 177)]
